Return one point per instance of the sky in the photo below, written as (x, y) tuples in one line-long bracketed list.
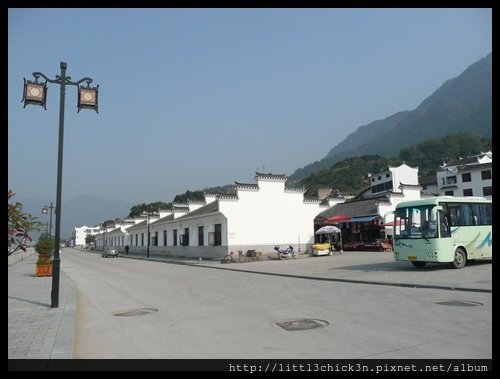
[(196, 98)]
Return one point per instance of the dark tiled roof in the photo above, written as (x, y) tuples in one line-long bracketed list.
[(196, 201), (468, 160), (207, 209), (295, 189), (352, 208), (139, 225), (459, 162), (246, 185), (476, 166), (270, 176), (180, 209), (426, 180), (167, 218)]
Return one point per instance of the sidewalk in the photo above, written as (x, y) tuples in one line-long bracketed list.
[(37, 331)]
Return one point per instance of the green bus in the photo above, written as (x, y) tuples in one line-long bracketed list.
[(443, 229)]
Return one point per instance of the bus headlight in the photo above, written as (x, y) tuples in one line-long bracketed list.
[(431, 254)]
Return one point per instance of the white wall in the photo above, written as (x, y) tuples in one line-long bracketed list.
[(269, 215), (404, 174)]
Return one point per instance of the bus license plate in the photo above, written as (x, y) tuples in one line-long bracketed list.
[(412, 258)]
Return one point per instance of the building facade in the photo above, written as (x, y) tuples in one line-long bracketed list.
[(258, 217), (471, 176)]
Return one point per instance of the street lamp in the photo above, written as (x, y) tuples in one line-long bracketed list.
[(45, 210), (148, 215), (104, 229), (36, 93)]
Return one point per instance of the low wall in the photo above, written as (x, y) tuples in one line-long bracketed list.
[(20, 255)]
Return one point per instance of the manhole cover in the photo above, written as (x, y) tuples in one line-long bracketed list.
[(459, 303), (135, 312), (301, 324)]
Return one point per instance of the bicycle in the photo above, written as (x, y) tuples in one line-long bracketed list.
[(232, 257)]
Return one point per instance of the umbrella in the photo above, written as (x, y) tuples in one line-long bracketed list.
[(328, 229), (338, 218)]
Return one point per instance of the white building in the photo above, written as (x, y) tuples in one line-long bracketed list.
[(392, 177), (471, 176), (259, 216), (81, 233)]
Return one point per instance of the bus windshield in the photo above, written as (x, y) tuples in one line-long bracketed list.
[(416, 222)]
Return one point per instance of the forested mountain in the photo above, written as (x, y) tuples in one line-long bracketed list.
[(350, 176), (462, 104)]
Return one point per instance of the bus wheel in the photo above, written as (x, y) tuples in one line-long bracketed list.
[(418, 264), (460, 258)]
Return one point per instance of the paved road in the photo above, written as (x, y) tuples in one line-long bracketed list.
[(210, 310)]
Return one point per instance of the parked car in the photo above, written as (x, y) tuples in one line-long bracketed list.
[(110, 253)]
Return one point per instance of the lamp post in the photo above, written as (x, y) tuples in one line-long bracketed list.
[(148, 215), (36, 93), (104, 229), (45, 210)]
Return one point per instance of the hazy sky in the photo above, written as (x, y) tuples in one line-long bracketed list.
[(194, 98)]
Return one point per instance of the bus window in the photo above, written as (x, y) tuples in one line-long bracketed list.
[(444, 229)]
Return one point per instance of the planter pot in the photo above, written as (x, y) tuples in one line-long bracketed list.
[(45, 270)]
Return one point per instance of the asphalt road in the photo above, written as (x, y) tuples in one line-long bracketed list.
[(131, 308)]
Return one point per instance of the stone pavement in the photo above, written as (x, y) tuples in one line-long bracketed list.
[(37, 331)]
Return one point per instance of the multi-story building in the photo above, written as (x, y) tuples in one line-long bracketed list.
[(81, 233), (471, 176)]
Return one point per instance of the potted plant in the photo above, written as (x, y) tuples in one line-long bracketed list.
[(45, 250)]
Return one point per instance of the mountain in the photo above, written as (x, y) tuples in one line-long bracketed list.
[(83, 210), (462, 104)]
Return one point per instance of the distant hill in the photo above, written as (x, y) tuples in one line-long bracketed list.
[(462, 104)]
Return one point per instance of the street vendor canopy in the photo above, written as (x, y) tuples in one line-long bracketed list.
[(338, 218), (364, 218)]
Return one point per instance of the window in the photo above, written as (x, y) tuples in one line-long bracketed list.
[(448, 193), (451, 180), (218, 235), (466, 177), (379, 178), (175, 237), (137, 240), (164, 238), (373, 180), (468, 192), (155, 241), (481, 214), (200, 235), (487, 191), (387, 175), (486, 174), (382, 187), (185, 240), (142, 239)]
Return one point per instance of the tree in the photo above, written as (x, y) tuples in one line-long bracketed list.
[(20, 225), (89, 239), (137, 210)]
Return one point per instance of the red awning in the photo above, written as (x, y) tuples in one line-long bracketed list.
[(337, 219)]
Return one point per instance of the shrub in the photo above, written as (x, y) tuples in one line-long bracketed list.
[(45, 250)]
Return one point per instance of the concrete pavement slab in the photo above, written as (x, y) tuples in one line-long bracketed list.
[(35, 330)]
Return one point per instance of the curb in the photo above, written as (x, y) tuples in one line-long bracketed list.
[(63, 345)]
